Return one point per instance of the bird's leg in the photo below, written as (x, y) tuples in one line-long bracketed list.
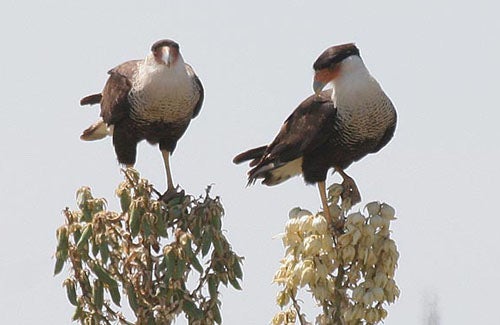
[(171, 191), (350, 188), (166, 160), (326, 209)]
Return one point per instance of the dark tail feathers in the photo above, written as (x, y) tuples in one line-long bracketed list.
[(91, 99), (255, 154)]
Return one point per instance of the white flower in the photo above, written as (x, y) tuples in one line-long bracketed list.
[(319, 224), (373, 208), (305, 222), (372, 316), (380, 279), (387, 212), (348, 253), (308, 276), (378, 293), (368, 298), (345, 239), (377, 221), (294, 212), (292, 225), (335, 190), (358, 293), (355, 218), (356, 235), (312, 245)]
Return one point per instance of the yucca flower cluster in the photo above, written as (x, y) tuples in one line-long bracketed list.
[(348, 268)]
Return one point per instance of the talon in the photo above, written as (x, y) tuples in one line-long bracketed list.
[(350, 189), (171, 193)]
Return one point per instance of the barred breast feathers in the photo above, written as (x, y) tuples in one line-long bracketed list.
[(363, 108), (161, 93)]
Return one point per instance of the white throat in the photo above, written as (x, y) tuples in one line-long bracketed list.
[(154, 78), (354, 87)]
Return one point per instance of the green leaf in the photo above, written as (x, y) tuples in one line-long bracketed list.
[(135, 218), (206, 242), (103, 275), (115, 294), (179, 268), (213, 286), (95, 247), (98, 294), (59, 264), (78, 314), (104, 250), (216, 314), (84, 238), (192, 310), (132, 298), (70, 291), (216, 222), (170, 264), (196, 264), (234, 283), (218, 246), (237, 268)]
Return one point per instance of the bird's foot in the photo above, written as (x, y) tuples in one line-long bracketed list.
[(350, 191), (172, 193)]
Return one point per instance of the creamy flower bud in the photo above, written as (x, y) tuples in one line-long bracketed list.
[(335, 190), (294, 212), (391, 291), (292, 225), (372, 316), (327, 243), (312, 245), (387, 212), (370, 258), (348, 253), (319, 224), (345, 239), (308, 276), (377, 221), (355, 218), (305, 223), (373, 208), (335, 211), (368, 298), (378, 293), (279, 319), (380, 279), (282, 298), (356, 236), (358, 293)]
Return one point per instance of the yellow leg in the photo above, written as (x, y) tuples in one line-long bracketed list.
[(326, 209), (166, 160)]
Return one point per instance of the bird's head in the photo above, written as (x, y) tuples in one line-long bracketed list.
[(327, 66), (165, 52)]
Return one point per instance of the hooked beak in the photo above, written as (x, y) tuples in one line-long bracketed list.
[(323, 77), (164, 56), (318, 86)]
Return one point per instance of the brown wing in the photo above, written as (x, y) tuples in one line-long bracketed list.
[(308, 127), (114, 103), (199, 88)]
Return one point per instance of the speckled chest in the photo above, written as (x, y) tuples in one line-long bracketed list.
[(366, 120), (168, 101)]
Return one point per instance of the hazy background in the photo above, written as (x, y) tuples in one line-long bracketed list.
[(438, 61)]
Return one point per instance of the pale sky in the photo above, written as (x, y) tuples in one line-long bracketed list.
[(437, 61)]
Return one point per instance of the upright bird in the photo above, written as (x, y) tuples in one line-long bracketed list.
[(153, 99), (330, 129)]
